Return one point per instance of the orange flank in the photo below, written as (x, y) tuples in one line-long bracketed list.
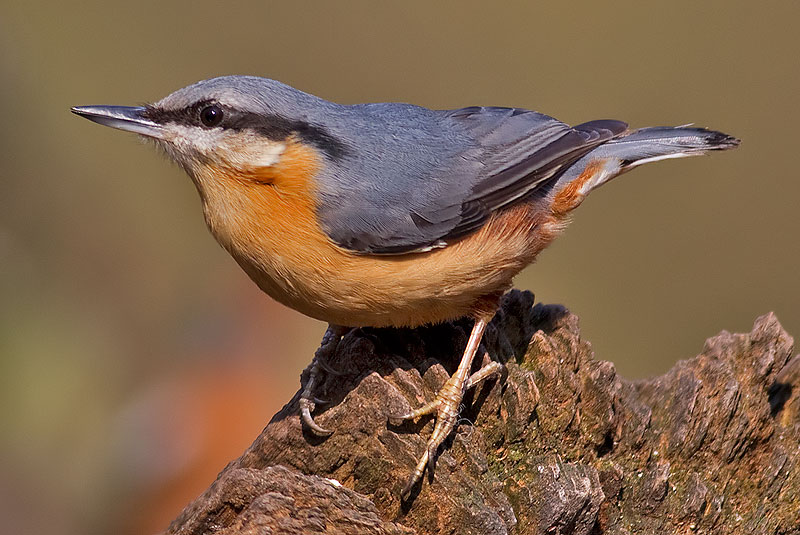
[(572, 195)]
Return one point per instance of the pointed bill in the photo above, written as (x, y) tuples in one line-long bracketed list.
[(130, 119)]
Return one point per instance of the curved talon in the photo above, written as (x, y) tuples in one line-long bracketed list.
[(306, 407), (397, 419), (416, 475), (307, 400), (428, 408), (323, 363)]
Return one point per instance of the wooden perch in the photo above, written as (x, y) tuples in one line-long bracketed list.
[(559, 444)]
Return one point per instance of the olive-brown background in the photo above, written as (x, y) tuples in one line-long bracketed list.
[(135, 357)]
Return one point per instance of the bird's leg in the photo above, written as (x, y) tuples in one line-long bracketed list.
[(330, 340), (447, 402)]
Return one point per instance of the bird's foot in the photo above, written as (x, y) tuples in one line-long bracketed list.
[(446, 406), (308, 402)]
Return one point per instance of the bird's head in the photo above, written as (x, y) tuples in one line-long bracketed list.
[(232, 126)]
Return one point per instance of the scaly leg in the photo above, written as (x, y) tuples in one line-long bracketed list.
[(330, 340), (447, 402)]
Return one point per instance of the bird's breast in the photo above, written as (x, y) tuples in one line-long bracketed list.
[(267, 220)]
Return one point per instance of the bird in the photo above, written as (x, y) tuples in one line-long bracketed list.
[(387, 214)]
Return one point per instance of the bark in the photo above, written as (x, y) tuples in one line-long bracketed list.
[(559, 444)]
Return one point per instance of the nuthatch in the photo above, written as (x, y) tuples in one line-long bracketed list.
[(387, 214)]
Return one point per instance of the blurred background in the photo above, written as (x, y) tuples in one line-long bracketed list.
[(136, 358)]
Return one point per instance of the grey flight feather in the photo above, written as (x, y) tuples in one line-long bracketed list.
[(647, 145)]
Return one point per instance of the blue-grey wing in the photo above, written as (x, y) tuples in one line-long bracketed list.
[(521, 151), (441, 175)]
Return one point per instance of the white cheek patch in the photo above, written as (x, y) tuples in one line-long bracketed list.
[(244, 150), (193, 138), (268, 154), (249, 151)]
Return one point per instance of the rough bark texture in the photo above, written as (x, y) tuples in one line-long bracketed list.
[(559, 444)]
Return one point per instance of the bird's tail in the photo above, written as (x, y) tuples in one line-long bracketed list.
[(663, 142), (623, 153)]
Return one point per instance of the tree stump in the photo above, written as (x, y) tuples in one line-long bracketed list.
[(559, 444)]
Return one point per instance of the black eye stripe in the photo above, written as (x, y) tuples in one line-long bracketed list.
[(273, 127), (188, 116)]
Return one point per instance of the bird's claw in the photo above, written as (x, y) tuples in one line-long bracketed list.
[(446, 406), (306, 406), (307, 399), (325, 365)]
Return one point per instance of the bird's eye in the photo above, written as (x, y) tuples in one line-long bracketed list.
[(211, 115)]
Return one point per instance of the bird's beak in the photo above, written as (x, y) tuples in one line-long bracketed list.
[(130, 119)]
